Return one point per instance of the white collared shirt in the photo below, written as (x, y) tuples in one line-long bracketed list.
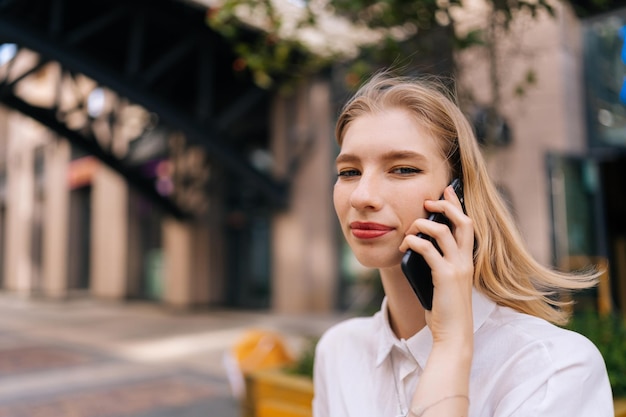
[(522, 366)]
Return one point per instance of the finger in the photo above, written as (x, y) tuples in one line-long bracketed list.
[(449, 195), (450, 242), (454, 253), (433, 208), (462, 225), (427, 227), (425, 248)]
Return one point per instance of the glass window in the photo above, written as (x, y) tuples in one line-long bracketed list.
[(605, 79)]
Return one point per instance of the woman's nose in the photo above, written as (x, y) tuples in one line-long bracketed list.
[(367, 194)]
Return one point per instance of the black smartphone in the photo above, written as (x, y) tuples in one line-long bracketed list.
[(414, 265)]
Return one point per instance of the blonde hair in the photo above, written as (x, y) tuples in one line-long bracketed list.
[(504, 269)]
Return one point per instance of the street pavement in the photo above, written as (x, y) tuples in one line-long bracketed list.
[(92, 358)]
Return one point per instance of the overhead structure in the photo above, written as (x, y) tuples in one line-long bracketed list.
[(139, 81)]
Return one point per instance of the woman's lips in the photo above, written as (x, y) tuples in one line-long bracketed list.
[(366, 230)]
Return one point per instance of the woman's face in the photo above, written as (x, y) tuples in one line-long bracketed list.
[(388, 165)]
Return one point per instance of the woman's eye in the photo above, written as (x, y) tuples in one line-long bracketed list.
[(348, 173), (406, 170)]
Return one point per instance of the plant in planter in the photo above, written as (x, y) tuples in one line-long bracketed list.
[(285, 391), (303, 366)]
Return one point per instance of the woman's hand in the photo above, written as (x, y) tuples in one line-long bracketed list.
[(444, 385), (450, 320)]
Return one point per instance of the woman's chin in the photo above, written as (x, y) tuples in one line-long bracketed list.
[(378, 263)]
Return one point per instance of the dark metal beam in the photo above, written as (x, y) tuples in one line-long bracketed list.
[(90, 28), (90, 145), (142, 81), (166, 61)]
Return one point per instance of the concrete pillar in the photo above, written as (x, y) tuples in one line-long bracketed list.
[(177, 247), (55, 281), (187, 262), (23, 135), (109, 235), (207, 274), (304, 253), (211, 252)]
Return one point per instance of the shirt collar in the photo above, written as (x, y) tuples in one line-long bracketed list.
[(420, 344)]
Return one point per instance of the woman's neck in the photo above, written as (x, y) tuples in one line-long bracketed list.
[(406, 314)]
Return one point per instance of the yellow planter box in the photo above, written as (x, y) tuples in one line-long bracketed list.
[(275, 393)]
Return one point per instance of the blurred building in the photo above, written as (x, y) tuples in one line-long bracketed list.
[(559, 152), (139, 163), (136, 165)]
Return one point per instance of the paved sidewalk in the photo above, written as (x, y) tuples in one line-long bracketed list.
[(86, 358)]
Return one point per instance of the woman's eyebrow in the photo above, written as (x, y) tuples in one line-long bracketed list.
[(346, 158), (395, 155), (387, 156)]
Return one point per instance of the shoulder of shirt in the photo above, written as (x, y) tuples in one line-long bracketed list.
[(560, 344), (356, 329)]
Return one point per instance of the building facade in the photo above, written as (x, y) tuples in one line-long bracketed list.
[(71, 225)]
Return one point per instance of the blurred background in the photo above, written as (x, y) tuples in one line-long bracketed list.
[(179, 154)]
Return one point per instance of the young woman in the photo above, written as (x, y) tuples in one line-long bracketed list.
[(488, 346)]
